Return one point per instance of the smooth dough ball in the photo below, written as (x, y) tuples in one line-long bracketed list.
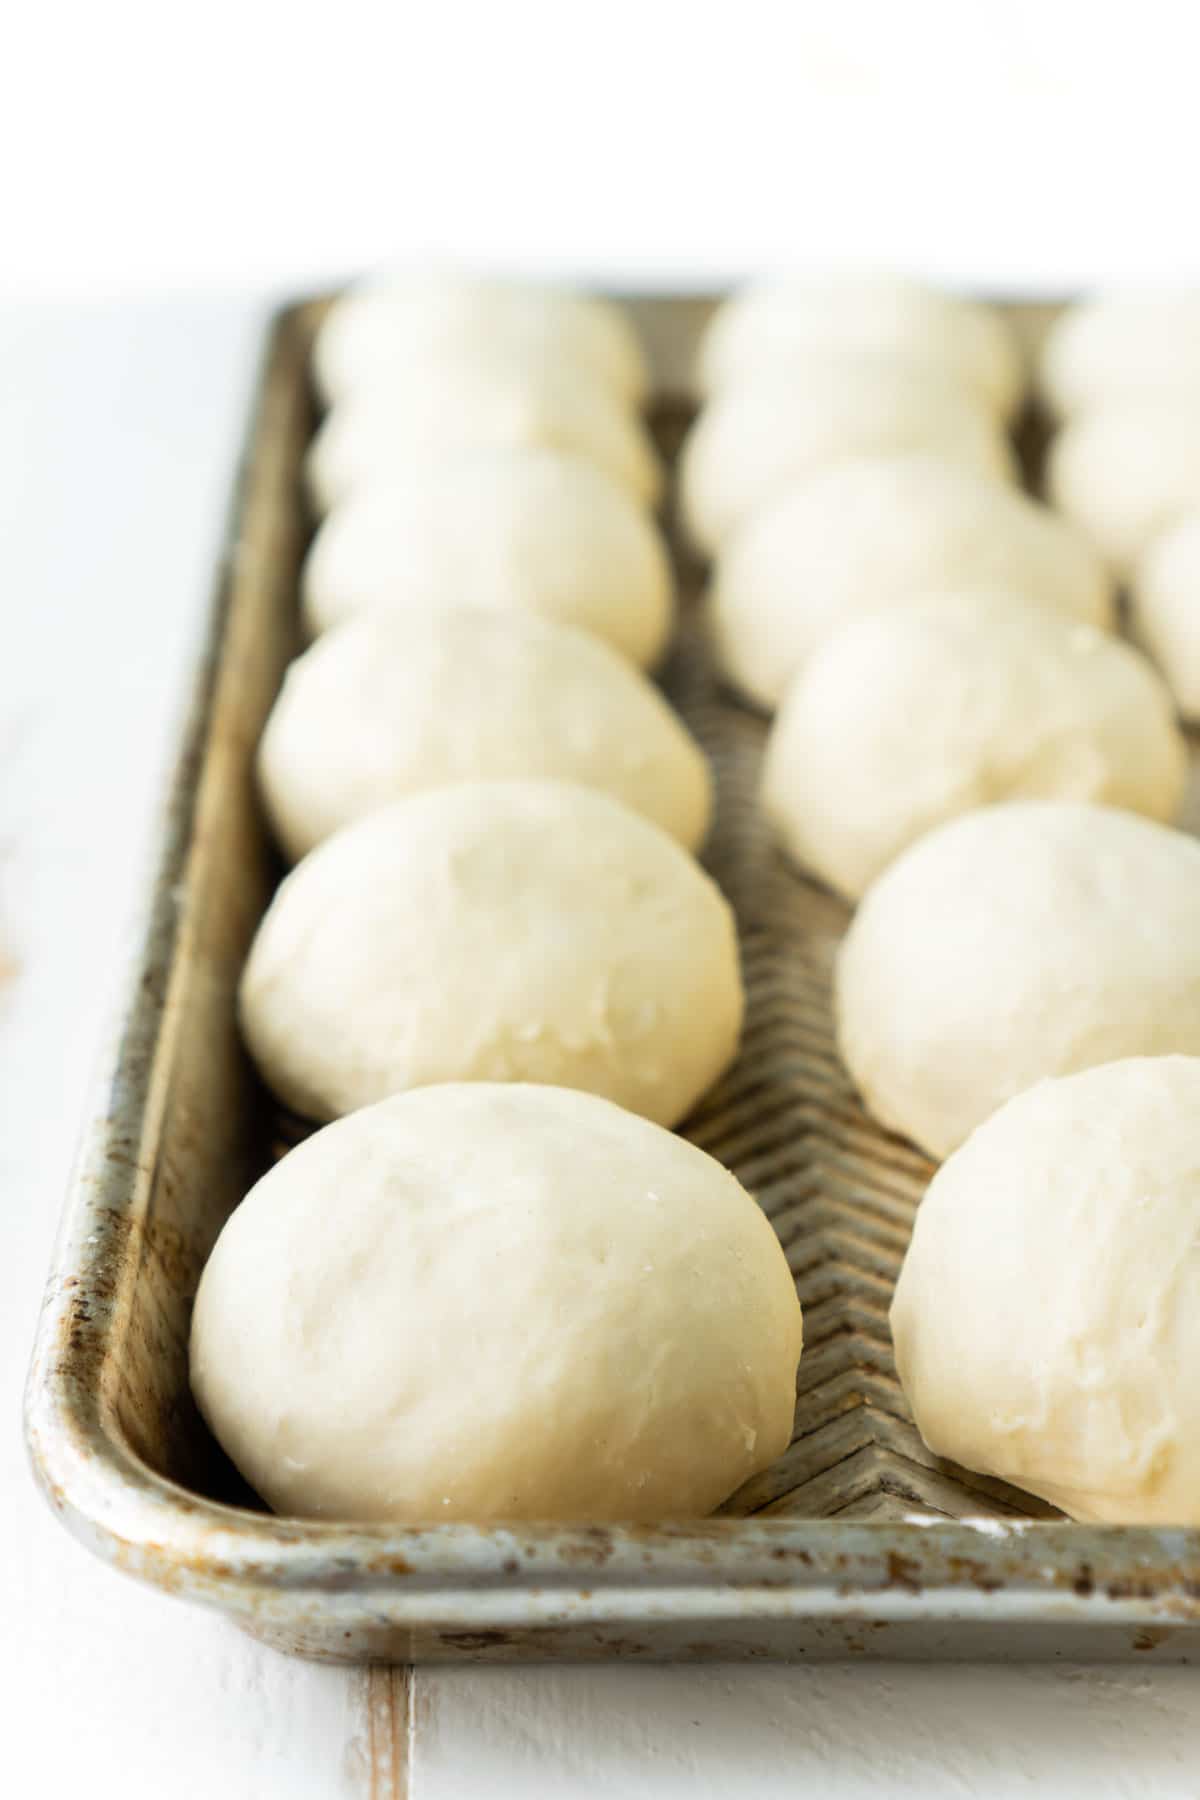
[(879, 532), (1132, 346), (389, 705), (759, 438), (768, 325), (1047, 1317), (1165, 596), (1014, 943), (378, 436), (524, 530), (501, 931), (902, 720), (497, 1302), (1125, 470), (380, 332)]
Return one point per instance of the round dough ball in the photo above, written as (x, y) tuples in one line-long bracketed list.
[(1133, 346), (902, 720), (1166, 609), (382, 331), (386, 706), (497, 1302), (757, 439), (1125, 470), (1017, 942), (525, 530), (501, 931), (760, 330), (379, 435), (1047, 1315), (884, 531)]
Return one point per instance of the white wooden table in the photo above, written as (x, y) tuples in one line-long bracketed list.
[(118, 430)]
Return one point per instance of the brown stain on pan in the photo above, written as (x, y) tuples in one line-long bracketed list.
[(1152, 1637), (903, 1572)]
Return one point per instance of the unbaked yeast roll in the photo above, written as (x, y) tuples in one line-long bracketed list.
[(761, 437), (1047, 1317), (774, 324), (1137, 346), (530, 530), (907, 717), (1015, 943), (381, 332), (495, 931), (446, 362), (378, 436), (879, 533), (392, 704), (1125, 469), (484, 1302)]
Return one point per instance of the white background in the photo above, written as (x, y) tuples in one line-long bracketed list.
[(148, 147), (162, 172)]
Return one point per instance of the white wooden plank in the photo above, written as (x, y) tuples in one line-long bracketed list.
[(910, 1733)]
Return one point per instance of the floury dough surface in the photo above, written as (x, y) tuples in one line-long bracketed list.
[(886, 531), (531, 530), (904, 719), (390, 704), (487, 1302), (773, 324), (376, 436), (377, 334), (761, 437), (1016, 943), (1047, 1317), (504, 931)]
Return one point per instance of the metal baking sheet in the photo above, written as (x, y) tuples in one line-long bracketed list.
[(856, 1543)]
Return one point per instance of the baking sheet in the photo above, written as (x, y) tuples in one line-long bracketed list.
[(857, 1542)]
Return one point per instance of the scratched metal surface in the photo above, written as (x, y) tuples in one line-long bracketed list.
[(855, 1543)]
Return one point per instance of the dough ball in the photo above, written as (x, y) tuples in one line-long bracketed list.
[(1017, 942), (759, 438), (502, 931), (881, 531), (378, 436), (1166, 609), (532, 530), (766, 326), (380, 333), (1046, 1318), (1134, 346), (389, 705), (490, 1302), (902, 720), (1125, 470)]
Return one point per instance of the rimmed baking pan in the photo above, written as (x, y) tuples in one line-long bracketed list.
[(856, 1543)]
